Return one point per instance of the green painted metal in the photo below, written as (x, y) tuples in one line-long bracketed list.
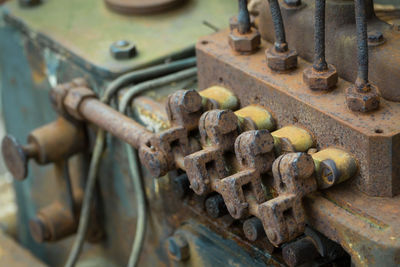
[(84, 30)]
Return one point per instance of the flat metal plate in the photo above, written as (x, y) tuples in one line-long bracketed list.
[(84, 30)]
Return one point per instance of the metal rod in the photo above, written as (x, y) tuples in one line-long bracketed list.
[(243, 18), (319, 36), (279, 28), (362, 44)]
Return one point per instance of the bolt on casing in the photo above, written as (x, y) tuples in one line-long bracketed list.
[(292, 139), (333, 166), (123, 50)]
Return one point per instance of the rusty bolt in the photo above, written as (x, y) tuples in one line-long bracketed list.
[(292, 3), (244, 43), (300, 252), (375, 38), (363, 100), (154, 161), (181, 185), (281, 61), (321, 80), (39, 230), (123, 49), (215, 206), (178, 247), (253, 229)]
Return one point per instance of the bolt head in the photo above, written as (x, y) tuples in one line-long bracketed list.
[(14, 157), (375, 38), (245, 43), (123, 50), (281, 61), (178, 247), (362, 101), (253, 229), (321, 80), (215, 206)]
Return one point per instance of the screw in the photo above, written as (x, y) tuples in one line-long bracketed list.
[(375, 38), (293, 3), (253, 229), (180, 185), (300, 252), (215, 206), (123, 49), (178, 247)]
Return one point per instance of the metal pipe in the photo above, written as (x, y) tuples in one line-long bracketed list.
[(319, 36), (114, 122), (243, 17), (279, 28), (362, 46)]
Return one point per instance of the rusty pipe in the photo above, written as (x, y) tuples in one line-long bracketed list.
[(110, 120)]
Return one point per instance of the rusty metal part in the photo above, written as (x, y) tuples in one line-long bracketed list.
[(218, 97), (245, 43), (341, 46), (283, 217), (53, 223), (375, 38), (233, 22), (333, 166), (281, 61), (364, 100), (181, 185), (178, 247), (253, 229), (132, 7), (324, 80), (373, 141), (300, 252), (50, 143), (215, 206), (123, 49)]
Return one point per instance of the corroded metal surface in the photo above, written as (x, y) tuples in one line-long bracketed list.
[(372, 140)]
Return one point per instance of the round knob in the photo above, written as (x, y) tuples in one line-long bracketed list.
[(16, 156)]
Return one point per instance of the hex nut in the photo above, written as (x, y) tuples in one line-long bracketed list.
[(321, 80), (281, 61), (178, 247), (362, 101), (74, 98), (244, 43), (123, 49)]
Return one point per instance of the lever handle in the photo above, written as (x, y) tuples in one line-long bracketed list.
[(16, 156)]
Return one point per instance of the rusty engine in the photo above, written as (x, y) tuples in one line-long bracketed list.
[(203, 133)]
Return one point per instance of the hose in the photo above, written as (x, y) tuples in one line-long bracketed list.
[(109, 92), (131, 153)]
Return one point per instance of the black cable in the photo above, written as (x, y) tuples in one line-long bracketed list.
[(319, 36), (243, 18), (279, 28), (362, 45)]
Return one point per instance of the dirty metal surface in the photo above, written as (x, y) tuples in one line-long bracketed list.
[(341, 42), (343, 214), (63, 26), (12, 254), (372, 138)]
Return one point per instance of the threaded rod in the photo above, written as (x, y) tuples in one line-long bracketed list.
[(319, 36)]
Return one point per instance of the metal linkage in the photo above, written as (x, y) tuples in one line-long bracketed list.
[(243, 38), (280, 58), (362, 96), (320, 76)]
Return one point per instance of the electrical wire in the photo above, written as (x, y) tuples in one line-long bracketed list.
[(131, 153), (110, 91)]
